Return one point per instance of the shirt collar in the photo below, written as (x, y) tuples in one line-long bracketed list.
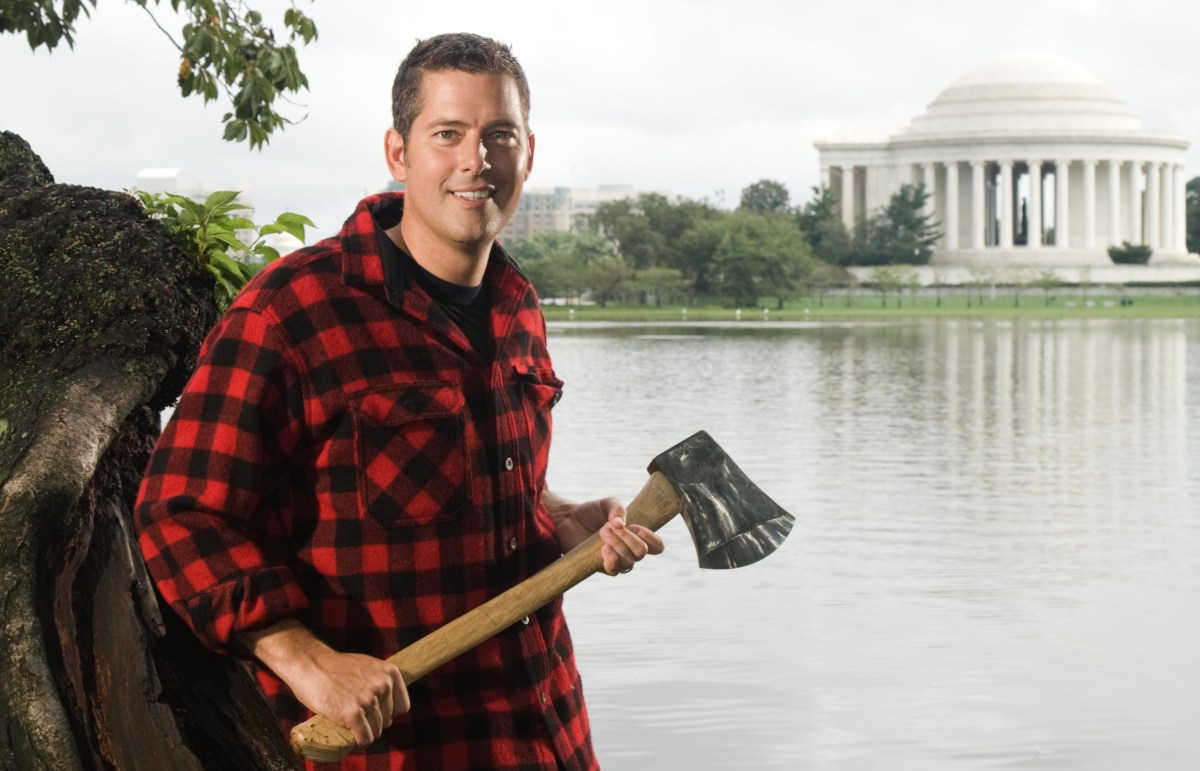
[(362, 258)]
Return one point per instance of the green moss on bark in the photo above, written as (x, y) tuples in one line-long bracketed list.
[(86, 276)]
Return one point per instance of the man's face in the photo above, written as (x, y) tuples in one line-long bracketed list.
[(466, 160)]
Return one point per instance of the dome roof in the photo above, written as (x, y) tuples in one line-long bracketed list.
[(1025, 94)]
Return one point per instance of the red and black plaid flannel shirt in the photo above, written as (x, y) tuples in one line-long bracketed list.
[(343, 456)]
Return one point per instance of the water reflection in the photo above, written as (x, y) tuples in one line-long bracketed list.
[(995, 562)]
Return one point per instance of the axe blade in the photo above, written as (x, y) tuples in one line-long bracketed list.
[(732, 521)]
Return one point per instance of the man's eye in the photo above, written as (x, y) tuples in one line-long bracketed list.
[(447, 134), (504, 136)]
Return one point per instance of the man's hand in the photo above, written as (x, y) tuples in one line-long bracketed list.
[(622, 545), (358, 692)]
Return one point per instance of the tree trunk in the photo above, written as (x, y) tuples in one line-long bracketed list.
[(101, 319)]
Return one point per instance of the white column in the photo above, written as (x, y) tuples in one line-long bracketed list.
[(950, 226), (1089, 204), (978, 202), (1062, 204), (1114, 203), (1006, 204), (1033, 238), (1135, 203), (1153, 223), (825, 177), (927, 177), (1168, 207), (848, 198), (1180, 209)]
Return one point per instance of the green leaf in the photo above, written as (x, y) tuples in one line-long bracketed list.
[(223, 282), (291, 218), (241, 223), (268, 253), (296, 230), (220, 198), (230, 240), (258, 137)]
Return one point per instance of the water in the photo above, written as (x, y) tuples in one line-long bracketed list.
[(996, 561)]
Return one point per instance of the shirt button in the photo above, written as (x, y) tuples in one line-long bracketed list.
[(508, 464), (525, 621), (542, 695), (512, 543)]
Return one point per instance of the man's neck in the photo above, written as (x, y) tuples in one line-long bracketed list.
[(464, 267)]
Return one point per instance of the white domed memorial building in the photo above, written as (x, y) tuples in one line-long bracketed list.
[(1031, 163)]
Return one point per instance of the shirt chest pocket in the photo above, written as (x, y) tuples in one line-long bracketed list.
[(412, 454)]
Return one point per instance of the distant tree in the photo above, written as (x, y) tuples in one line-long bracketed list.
[(910, 282), (646, 231), (223, 46), (1085, 282), (609, 278), (1047, 281), (625, 224), (651, 232), (895, 279), (759, 256), (887, 279), (1020, 282), (1193, 215), (821, 222), (980, 276), (826, 276), (556, 262), (901, 232), (700, 244), (765, 196), (659, 284), (939, 283)]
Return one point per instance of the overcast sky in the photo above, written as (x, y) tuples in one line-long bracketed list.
[(698, 98)]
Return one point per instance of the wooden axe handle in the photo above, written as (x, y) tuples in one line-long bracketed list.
[(320, 739)]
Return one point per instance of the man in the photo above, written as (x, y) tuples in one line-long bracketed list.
[(361, 454)]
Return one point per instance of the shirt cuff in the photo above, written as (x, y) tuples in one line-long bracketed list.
[(252, 601)]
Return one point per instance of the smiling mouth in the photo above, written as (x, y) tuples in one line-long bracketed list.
[(473, 195)]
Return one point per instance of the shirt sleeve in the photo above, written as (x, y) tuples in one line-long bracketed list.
[(209, 501)]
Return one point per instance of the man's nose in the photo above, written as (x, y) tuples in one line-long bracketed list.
[(474, 157)]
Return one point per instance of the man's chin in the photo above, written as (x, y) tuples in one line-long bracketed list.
[(483, 231)]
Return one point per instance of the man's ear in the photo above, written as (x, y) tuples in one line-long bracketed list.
[(529, 163), (393, 149)]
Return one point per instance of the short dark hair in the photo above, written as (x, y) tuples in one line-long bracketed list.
[(460, 51)]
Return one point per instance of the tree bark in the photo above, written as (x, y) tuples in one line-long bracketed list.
[(101, 319)]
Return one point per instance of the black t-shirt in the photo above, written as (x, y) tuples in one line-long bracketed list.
[(467, 306)]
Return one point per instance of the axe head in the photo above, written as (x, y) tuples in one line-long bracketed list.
[(733, 523)]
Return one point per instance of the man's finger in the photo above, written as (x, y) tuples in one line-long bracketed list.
[(386, 707), (360, 727), (654, 542), (400, 703)]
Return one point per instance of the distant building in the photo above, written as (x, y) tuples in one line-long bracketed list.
[(1029, 161), (566, 209), (178, 182)]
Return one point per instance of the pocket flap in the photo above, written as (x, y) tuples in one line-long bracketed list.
[(540, 385), (412, 401)]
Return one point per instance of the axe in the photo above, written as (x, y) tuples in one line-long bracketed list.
[(732, 522)]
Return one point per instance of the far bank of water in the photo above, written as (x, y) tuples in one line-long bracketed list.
[(1002, 303), (996, 562)]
